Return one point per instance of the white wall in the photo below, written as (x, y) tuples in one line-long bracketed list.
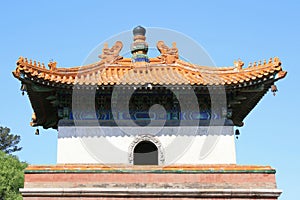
[(206, 145)]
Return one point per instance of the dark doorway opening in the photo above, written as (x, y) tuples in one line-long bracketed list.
[(145, 153)]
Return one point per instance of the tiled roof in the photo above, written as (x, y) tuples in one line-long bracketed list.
[(123, 71), (249, 83)]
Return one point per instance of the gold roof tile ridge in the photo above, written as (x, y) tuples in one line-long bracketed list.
[(180, 72)]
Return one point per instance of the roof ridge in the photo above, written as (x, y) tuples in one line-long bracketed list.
[(181, 71)]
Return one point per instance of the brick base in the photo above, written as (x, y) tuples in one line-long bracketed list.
[(149, 182)]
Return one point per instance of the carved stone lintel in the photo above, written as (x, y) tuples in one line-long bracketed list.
[(138, 139), (109, 55), (169, 55)]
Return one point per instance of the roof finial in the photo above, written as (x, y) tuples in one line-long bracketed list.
[(168, 55), (238, 64), (139, 47), (139, 30), (109, 55)]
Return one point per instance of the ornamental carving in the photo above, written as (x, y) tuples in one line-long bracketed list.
[(52, 65), (169, 55), (138, 139), (109, 55)]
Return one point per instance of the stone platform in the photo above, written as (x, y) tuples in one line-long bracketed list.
[(92, 182)]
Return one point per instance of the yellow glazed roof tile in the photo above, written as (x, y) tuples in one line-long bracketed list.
[(155, 72)]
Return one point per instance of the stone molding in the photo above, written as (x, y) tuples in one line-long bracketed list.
[(108, 131), (150, 192), (138, 139)]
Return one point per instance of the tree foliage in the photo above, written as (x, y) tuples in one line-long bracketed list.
[(8, 141), (11, 177)]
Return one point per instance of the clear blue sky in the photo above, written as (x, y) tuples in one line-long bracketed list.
[(250, 30)]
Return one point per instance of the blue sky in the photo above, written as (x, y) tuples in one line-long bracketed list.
[(250, 30)]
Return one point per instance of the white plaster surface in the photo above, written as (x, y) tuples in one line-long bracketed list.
[(88, 145)]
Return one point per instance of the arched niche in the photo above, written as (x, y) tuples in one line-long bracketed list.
[(145, 144)]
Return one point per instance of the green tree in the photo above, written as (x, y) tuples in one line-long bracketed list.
[(11, 177), (8, 141)]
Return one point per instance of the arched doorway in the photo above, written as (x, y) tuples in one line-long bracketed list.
[(145, 153)]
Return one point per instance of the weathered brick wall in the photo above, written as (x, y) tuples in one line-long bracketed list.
[(202, 180), (209, 182)]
